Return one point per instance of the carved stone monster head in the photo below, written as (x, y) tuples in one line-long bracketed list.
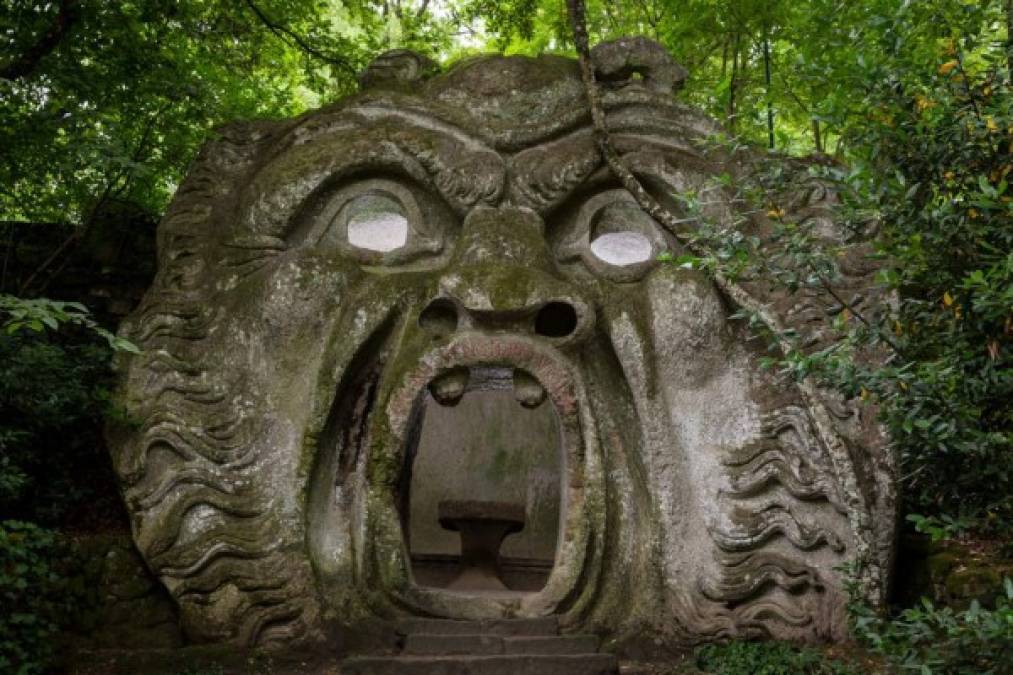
[(325, 281)]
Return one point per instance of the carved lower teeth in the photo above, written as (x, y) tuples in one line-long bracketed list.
[(527, 390), (449, 387)]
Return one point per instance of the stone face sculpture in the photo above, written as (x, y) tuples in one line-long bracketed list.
[(318, 276)]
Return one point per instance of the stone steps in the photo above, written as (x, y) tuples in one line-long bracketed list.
[(424, 644), (489, 647), (547, 625)]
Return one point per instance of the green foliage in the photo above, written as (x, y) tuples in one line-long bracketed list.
[(36, 594), (53, 393), (125, 97), (53, 467), (942, 527), (767, 658), (38, 314), (927, 127), (929, 639), (931, 167)]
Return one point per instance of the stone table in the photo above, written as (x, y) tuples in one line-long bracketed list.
[(483, 526)]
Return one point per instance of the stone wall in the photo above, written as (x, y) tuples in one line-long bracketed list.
[(489, 448)]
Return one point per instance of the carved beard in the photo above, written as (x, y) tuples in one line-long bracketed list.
[(279, 397)]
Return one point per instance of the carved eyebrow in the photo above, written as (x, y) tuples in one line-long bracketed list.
[(420, 118), (542, 177), (367, 114), (465, 174)]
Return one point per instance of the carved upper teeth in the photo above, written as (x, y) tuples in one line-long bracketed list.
[(527, 389), (448, 388)]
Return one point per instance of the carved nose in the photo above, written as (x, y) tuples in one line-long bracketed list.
[(503, 235), (502, 279), (556, 319)]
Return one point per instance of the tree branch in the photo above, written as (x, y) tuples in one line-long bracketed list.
[(29, 60), (288, 36), (110, 191)]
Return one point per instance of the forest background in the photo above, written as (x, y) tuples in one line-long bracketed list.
[(904, 104)]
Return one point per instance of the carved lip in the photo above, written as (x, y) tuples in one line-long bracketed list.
[(484, 353)]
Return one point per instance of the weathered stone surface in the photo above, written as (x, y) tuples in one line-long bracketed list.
[(515, 664), (547, 625), (279, 396), (488, 648)]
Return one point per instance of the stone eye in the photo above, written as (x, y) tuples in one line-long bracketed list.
[(622, 248), (612, 236), (376, 222), (618, 234)]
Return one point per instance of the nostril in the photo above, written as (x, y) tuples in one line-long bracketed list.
[(556, 319), (439, 317)]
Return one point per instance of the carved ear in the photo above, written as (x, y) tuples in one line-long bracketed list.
[(397, 68), (637, 60)]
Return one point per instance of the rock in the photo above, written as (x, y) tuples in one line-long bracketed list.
[(951, 573), (673, 489)]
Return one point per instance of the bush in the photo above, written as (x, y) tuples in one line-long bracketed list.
[(930, 639), (36, 593), (937, 177), (929, 170), (54, 469), (767, 658), (53, 462)]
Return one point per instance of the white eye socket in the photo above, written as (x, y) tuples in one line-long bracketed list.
[(622, 248), (376, 222)]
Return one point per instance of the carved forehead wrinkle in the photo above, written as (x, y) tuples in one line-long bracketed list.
[(545, 174), (417, 113), (670, 119), (660, 156), (682, 174)]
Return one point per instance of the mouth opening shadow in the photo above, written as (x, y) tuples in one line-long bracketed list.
[(481, 506)]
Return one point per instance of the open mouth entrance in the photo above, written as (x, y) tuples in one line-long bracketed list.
[(481, 506)]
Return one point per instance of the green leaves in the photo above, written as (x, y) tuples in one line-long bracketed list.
[(121, 104), (39, 314), (767, 658), (35, 594), (930, 639)]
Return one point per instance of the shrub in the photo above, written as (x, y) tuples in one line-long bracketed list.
[(36, 593), (53, 393), (930, 639), (767, 658)]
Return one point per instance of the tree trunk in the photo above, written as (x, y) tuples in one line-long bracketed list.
[(817, 138), (770, 93), (25, 63), (724, 58), (733, 84), (1009, 38)]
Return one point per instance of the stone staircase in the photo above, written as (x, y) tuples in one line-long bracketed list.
[(490, 647)]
